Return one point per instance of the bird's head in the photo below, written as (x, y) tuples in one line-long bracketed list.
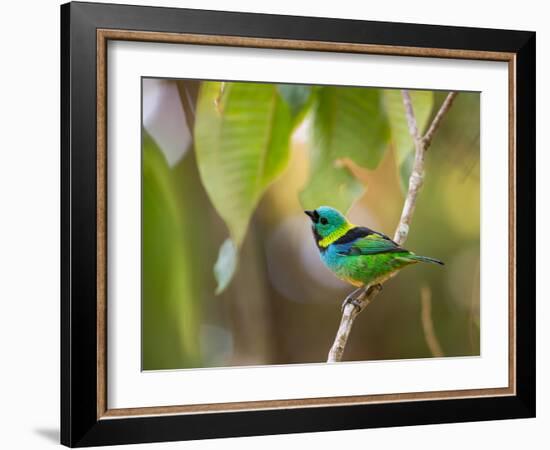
[(326, 221)]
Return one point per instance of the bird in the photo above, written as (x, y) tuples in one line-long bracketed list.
[(356, 254)]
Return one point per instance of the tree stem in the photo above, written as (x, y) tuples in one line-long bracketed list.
[(421, 143)]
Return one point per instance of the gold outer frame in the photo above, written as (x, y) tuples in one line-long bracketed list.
[(103, 36)]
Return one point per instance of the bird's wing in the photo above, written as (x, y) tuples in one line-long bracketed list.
[(367, 242)]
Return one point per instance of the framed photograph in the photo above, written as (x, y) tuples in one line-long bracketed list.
[(276, 224)]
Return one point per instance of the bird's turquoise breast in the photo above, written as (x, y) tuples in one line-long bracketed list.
[(348, 268), (332, 259)]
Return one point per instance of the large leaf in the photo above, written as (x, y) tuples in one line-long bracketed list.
[(401, 138), (170, 325), (348, 124), (332, 185), (242, 133)]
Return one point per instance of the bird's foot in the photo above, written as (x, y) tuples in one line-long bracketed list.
[(353, 299), (357, 297)]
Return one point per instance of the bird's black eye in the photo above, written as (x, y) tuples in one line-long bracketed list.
[(324, 220)]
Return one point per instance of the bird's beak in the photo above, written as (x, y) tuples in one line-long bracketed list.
[(311, 214)]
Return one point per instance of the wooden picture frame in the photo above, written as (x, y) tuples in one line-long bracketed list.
[(86, 418)]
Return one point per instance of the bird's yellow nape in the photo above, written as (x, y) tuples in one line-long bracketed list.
[(335, 235)]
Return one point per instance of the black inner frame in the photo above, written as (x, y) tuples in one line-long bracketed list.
[(79, 423)]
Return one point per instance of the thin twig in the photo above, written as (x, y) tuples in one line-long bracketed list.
[(427, 322), (427, 139), (421, 144)]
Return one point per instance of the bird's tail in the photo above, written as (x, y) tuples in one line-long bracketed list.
[(426, 259)]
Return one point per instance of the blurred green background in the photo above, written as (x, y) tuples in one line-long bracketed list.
[(230, 271)]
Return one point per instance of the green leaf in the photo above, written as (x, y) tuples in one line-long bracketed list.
[(226, 265), (348, 124), (332, 185), (242, 134), (171, 317), (242, 137), (297, 97)]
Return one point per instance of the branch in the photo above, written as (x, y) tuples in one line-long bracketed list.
[(427, 323), (421, 145)]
